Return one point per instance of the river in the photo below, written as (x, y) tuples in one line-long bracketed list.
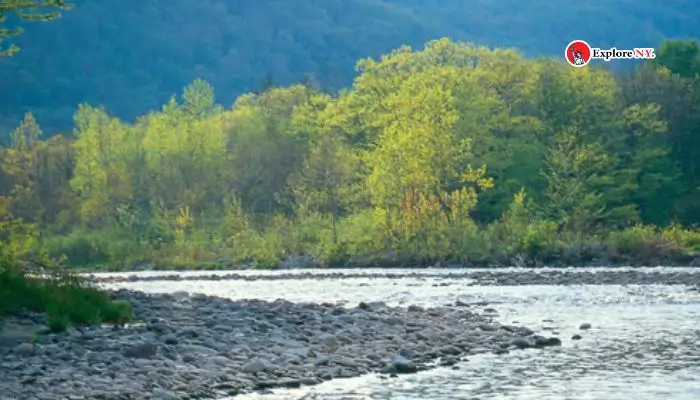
[(644, 342)]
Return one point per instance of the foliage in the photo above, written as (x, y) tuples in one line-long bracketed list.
[(64, 298), (453, 152), (37, 287), (157, 47)]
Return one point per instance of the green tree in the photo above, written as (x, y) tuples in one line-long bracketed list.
[(572, 171)]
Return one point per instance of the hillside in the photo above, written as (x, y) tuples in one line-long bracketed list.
[(130, 56)]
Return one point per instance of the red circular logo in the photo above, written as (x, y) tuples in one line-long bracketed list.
[(578, 53)]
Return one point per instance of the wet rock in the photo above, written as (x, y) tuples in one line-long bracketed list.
[(448, 361), (402, 365), (541, 342), (287, 383), (576, 337), (450, 350), (584, 326), (522, 343)]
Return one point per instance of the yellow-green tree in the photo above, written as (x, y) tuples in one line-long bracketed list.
[(421, 179), (102, 179)]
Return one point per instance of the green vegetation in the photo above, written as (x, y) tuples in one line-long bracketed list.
[(130, 56), (455, 152), (64, 297)]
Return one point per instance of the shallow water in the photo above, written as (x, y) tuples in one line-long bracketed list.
[(395, 271), (644, 344)]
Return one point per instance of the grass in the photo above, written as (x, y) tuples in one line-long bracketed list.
[(65, 298)]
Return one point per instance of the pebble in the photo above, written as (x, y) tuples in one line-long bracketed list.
[(197, 346)]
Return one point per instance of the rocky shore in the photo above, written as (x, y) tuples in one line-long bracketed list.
[(481, 278), (202, 347)]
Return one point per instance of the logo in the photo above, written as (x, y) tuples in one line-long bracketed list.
[(579, 53)]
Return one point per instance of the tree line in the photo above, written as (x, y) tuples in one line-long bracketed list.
[(157, 47), (454, 152)]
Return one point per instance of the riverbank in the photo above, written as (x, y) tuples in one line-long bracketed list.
[(393, 261), (196, 346), (494, 246)]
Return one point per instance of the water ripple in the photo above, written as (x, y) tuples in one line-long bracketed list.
[(643, 343)]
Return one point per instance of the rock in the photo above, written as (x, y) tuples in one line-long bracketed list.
[(524, 331), (170, 339), (428, 334), (401, 365), (576, 337), (450, 350), (585, 326), (302, 352), (180, 295), (407, 353), (254, 366), (322, 360), (488, 327), (25, 349), (199, 346), (162, 394), (160, 327), (142, 350), (541, 342), (329, 340), (522, 343)]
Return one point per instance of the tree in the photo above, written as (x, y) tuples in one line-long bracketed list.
[(27, 10), (571, 170), (681, 57)]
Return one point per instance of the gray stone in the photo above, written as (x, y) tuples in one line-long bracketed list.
[(401, 365), (162, 394), (170, 339), (25, 349), (254, 366), (141, 350)]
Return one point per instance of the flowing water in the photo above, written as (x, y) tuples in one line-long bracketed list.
[(644, 343)]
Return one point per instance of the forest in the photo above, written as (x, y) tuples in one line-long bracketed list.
[(130, 56), (453, 153)]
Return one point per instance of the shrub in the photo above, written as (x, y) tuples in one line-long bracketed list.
[(641, 243), (686, 239), (65, 298)]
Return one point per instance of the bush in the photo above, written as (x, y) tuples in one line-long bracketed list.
[(65, 298), (686, 239), (643, 243)]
